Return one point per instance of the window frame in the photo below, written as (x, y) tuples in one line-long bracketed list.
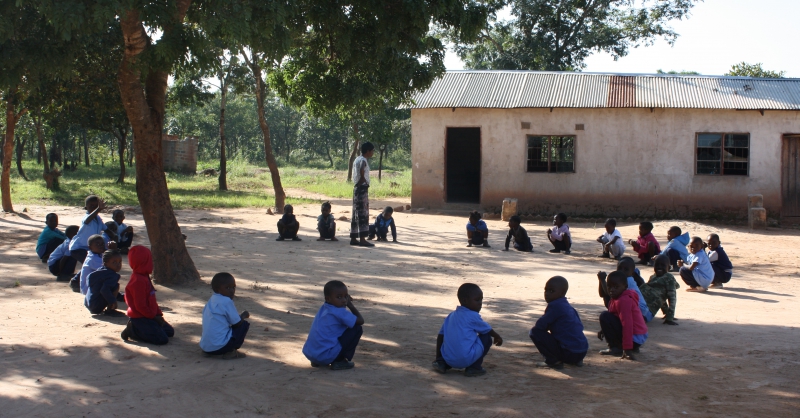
[(722, 153), (549, 162)]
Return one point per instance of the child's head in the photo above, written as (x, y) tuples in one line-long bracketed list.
[(111, 226), (555, 288), (470, 296), (367, 149), (118, 215), (626, 265), (713, 242), (91, 203), (611, 225), (661, 265), (560, 219), (288, 210), (112, 260), (514, 221), (97, 244), (696, 245), (71, 231), (674, 232), (51, 220), (474, 217), (387, 212), (336, 293), (645, 228), (224, 284), (617, 283), (326, 208)]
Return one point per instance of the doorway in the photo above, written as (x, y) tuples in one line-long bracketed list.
[(463, 163), (790, 174)]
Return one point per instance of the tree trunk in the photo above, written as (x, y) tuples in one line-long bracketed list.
[(50, 176), (261, 90), (354, 153), (12, 117), (144, 105), (20, 149), (380, 162), (130, 152), (223, 161), (122, 139), (85, 146)]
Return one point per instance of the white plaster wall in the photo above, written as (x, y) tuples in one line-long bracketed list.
[(630, 162)]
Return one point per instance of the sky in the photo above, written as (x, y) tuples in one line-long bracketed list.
[(718, 34)]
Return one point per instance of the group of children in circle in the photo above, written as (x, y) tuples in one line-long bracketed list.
[(464, 339)]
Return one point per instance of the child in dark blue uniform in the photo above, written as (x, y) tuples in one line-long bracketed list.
[(335, 332), (477, 231), (124, 232), (558, 334), (288, 225), (383, 223), (326, 224), (522, 242), (103, 291), (723, 268), (60, 263)]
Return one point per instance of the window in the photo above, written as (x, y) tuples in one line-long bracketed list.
[(551, 154), (723, 154)]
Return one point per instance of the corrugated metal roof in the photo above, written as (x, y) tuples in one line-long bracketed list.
[(532, 89)]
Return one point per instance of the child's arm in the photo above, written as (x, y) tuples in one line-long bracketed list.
[(694, 264), (244, 315), (601, 289), (672, 300), (394, 230), (508, 239), (498, 340), (101, 205), (439, 342), (613, 240), (359, 318)]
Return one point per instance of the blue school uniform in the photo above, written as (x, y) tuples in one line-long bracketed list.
[(462, 347), (678, 244), (564, 324), (648, 316), (322, 345), (703, 273), (481, 226), (81, 240), (100, 293), (92, 263), (60, 251), (45, 237), (219, 315), (381, 227)]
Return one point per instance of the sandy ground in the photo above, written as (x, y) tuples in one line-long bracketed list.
[(734, 353)]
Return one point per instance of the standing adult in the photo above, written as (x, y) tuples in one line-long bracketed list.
[(359, 225)]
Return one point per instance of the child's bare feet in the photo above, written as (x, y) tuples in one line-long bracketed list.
[(668, 322), (321, 239), (696, 289), (628, 354), (334, 239)]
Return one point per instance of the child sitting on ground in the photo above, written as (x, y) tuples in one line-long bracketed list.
[(611, 240), (697, 271), (559, 235), (522, 242), (335, 332), (558, 334), (288, 225), (146, 323), (627, 266), (224, 330), (326, 224), (720, 263), (103, 290), (97, 246), (477, 231), (60, 263), (622, 325), (660, 290), (465, 339), (50, 238), (91, 224), (110, 235), (124, 232), (383, 223), (646, 245), (676, 248)]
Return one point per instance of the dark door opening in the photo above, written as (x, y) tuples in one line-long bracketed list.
[(790, 175), (464, 165)]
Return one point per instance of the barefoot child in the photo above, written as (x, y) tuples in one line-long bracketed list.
[(335, 332), (558, 334), (91, 224), (146, 323), (559, 235), (60, 263), (97, 246), (697, 271), (50, 238), (383, 223), (723, 269), (288, 225), (465, 339), (124, 232), (676, 248), (622, 324), (646, 245), (611, 240), (660, 290), (104, 286), (627, 266), (477, 231), (224, 329), (326, 224), (522, 242)]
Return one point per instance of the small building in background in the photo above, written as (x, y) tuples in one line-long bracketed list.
[(179, 155), (607, 144)]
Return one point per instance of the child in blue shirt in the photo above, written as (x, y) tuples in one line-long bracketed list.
[(558, 334), (103, 291), (465, 339), (91, 224), (97, 246), (676, 248), (335, 332), (110, 235), (224, 330), (288, 225), (383, 223), (60, 263), (697, 271), (634, 280), (124, 232), (50, 238), (326, 224), (720, 263), (477, 231)]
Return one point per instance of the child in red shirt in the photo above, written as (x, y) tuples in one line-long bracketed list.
[(646, 245), (622, 325), (146, 323)]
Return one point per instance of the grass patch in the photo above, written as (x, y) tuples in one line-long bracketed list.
[(248, 186)]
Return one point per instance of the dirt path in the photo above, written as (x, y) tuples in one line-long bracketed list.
[(734, 354)]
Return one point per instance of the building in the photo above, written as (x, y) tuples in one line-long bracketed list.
[(607, 145), (179, 155)]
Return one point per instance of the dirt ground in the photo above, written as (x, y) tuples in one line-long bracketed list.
[(734, 353)]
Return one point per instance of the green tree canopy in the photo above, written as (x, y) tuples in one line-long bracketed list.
[(744, 69)]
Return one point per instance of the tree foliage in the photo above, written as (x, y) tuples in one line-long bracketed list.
[(744, 69)]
